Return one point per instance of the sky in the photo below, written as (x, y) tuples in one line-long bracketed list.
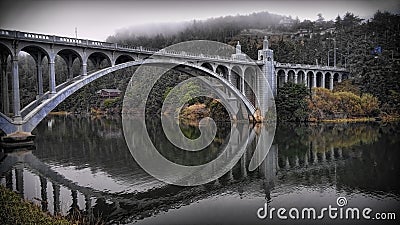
[(97, 19)]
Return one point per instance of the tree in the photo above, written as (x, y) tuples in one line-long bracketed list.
[(291, 102)]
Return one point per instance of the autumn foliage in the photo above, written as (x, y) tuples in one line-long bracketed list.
[(325, 104)]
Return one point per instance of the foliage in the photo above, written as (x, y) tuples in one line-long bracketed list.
[(291, 104), (14, 210), (325, 104)]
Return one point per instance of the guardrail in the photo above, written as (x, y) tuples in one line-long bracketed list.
[(140, 49), (304, 66), (108, 45)]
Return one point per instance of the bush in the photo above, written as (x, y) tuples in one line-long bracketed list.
[(325, 104), (291, 102)]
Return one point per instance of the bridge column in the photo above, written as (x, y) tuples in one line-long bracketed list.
[(19, 178), (323, 80), (230, 75), (314, 81), (43, 192), (52, 75), (15, 86), (305, 79), (331, 82), (39, 74), (340, 78), (4, 81), (56, 198), (295, 78), (242, 84), (69, 67), (286, 77)]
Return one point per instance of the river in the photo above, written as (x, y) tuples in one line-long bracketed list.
[(83, 163)]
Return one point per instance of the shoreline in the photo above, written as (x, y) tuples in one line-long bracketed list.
[(191, 120)]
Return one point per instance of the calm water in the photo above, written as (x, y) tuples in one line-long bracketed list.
[(84, 163)]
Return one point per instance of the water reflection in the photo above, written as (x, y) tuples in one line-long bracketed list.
[(83, 163)]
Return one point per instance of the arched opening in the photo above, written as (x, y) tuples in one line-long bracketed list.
[(124, 59), (301, 77), (280, 78), (335, 78), (69, 67), (6, 80), (291, 76), (250, 84), (310, 77), (207, 66), (319, 79), (345, 76), (236, 77), (222, 71), (33, 72), (327, 80), (97, 61)]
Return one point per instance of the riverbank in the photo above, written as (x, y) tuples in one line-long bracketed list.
[(15, 210)]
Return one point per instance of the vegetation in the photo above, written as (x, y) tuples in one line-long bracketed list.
[(325, 104), (291, 104), (14, 210)]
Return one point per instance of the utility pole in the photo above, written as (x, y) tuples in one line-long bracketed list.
[(334, 52), (76, 33)]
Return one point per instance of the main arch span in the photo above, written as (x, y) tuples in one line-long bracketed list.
[(37, 112)]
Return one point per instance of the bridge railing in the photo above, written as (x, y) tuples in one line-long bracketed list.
[(304, 66), (107, 45)]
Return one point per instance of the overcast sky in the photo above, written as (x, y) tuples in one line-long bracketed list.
[(98, 19)]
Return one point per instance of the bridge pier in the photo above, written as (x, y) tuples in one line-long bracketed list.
[(39, 74), (15, 87), (4, 81), (52, 76)]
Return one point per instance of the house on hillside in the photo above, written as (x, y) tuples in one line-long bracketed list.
[(109, 93)]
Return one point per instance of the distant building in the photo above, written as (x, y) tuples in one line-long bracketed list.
[(109, 93), (328, 31)]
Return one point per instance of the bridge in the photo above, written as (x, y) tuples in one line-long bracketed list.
[(238, 72)]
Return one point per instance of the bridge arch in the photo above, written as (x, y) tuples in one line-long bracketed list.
[(301, 77), (222, 71), (208, 66), (327, 80), (310, 79), (336, 78), (74, 67), (34, 51), (123, 59), (291, 74), (237, 77), (30, 121), (5, 59), (99, 60), (319, 78), (280, 77)]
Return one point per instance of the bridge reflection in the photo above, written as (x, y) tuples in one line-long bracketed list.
[(94, 172)]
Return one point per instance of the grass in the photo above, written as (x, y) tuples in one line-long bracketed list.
[(14, 210)]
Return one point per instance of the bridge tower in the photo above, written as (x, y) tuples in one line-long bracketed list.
[(267, 56)]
